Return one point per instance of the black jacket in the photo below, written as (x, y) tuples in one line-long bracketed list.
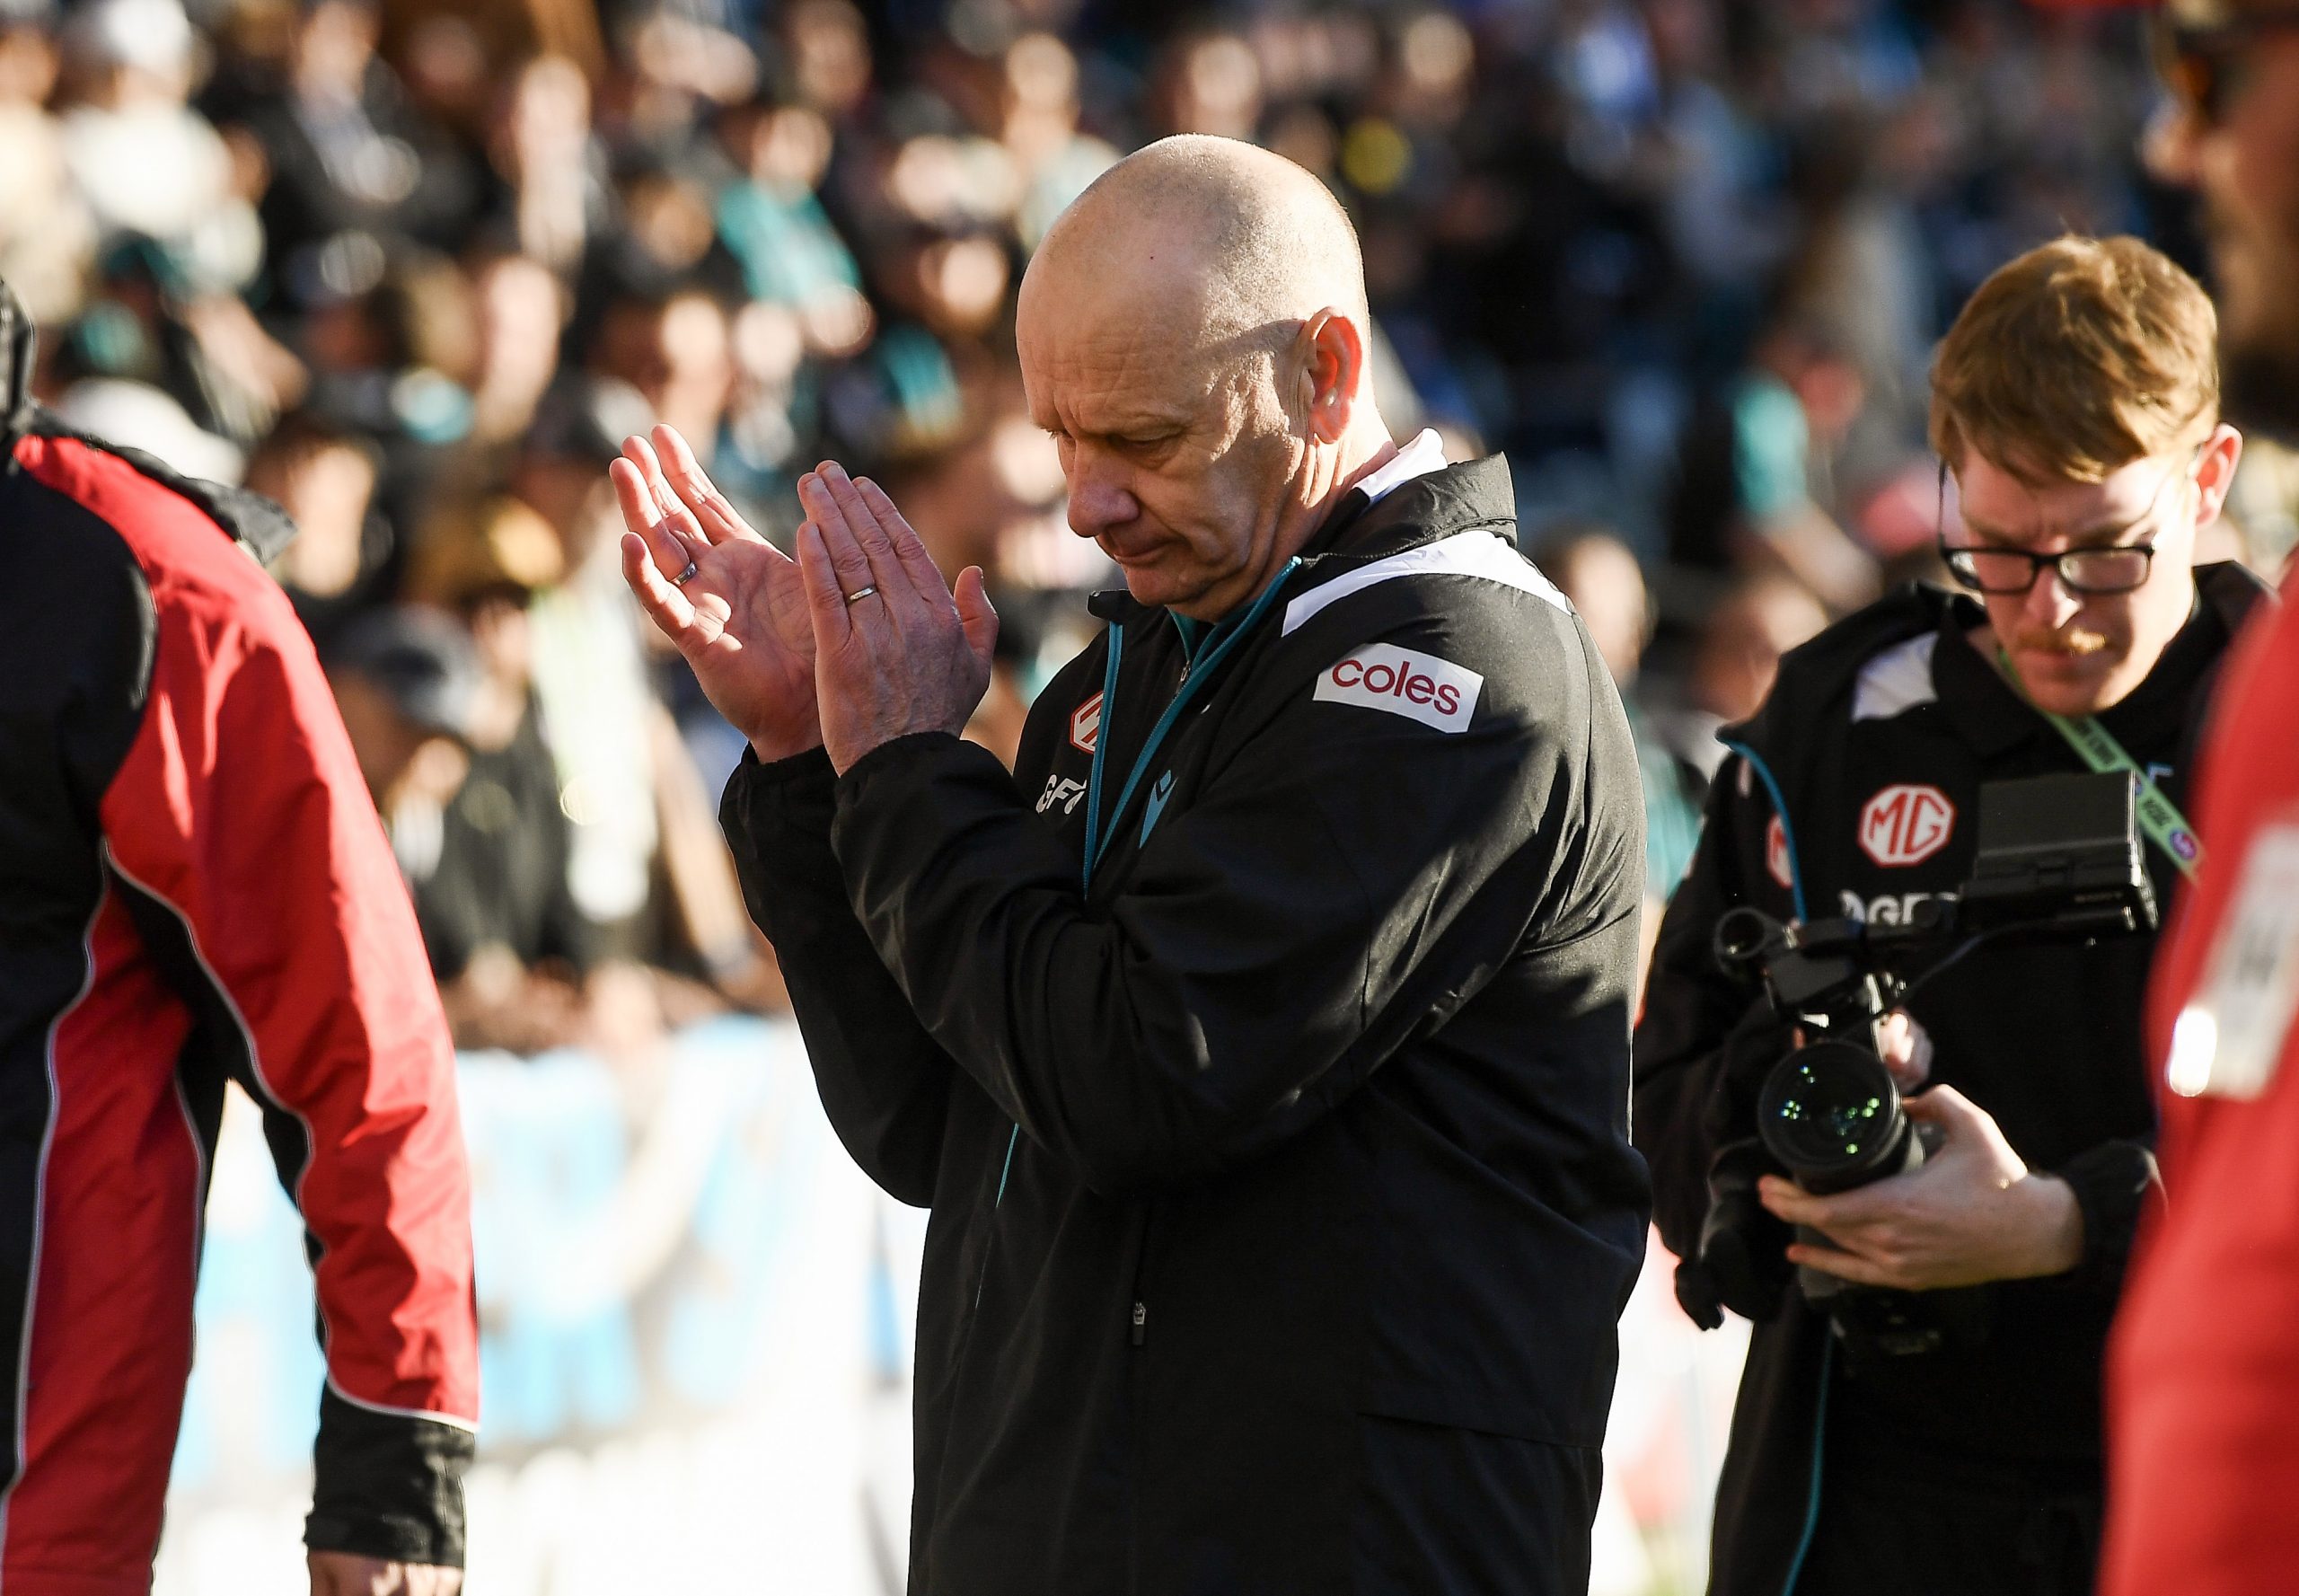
[(1879, 734), (1302, 1269)]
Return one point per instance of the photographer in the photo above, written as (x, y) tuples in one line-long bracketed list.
[(2075, 406)]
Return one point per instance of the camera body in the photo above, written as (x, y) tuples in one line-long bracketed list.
[(2058, 858)]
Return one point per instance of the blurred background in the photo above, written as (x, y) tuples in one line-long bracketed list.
[(413, 267)]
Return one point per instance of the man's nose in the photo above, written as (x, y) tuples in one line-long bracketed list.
[(2169, 146), (2049, 603), (1099, 500)]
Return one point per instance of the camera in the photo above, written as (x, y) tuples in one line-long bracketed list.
[(2058, 858)]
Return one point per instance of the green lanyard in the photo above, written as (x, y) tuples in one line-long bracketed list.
[(2159, 816)]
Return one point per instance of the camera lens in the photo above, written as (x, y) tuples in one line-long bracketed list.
[(1830, 1113)]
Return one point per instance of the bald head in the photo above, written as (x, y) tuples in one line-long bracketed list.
[(1192, 331), (1244, 238)]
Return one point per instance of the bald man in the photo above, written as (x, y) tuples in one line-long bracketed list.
[(1261, 1043)]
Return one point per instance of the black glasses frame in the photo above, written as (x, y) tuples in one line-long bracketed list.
[(2036, 562)]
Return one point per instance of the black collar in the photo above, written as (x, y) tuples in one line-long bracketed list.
[(1423, 509)]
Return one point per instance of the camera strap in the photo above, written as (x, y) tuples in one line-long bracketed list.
[(2159, 816)]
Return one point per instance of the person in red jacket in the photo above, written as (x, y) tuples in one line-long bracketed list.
[(194, 888), (2203, 1388)]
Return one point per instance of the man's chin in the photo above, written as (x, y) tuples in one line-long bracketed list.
[(2069, 685), (1148, 585), (1161, 588)]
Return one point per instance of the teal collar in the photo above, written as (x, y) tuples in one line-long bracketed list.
[(1203, 647)]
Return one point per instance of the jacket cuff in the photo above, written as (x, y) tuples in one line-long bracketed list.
[(2111, 1183), (879, 794), (777, 820), (872, 767), (387, 1486), (803, 780)]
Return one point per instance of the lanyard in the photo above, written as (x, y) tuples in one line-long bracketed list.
[(2159, 817), (1195, 674)]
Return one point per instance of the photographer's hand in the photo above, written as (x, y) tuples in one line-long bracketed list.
[(1905, 1048), (1974, 1213)]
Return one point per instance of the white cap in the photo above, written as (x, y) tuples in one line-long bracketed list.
[(143, 418), (152, 34)]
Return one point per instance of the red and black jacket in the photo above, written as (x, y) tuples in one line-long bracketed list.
[(194, 888)]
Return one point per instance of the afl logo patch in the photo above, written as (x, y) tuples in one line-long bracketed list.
[(1906, 824), (1085, 724)]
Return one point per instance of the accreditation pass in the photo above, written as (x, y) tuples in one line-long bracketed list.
[(2226, 1041)]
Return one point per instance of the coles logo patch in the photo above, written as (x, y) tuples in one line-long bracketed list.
[(1420, 687), (1085, 724), (1906, 824), (1776, 854)]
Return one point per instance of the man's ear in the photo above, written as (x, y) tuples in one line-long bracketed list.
[(2215, 472), (1333, 375)]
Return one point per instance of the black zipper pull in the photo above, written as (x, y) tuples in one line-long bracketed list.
[(1141, 1322)]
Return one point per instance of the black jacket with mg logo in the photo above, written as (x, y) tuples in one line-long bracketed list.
[(1282, 1199), (1858, 784)]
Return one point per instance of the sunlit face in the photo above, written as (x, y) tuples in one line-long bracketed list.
[(1179, 455), (2077, 653), (2243, 157)]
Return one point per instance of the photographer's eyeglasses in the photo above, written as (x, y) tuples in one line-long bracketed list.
[(2094, 572), (2208, 64)]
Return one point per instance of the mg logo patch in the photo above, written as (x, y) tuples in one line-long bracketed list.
[(1420, 687), (1906, 824), (1085, 724)]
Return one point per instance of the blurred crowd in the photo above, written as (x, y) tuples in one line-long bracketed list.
[(414, 268)]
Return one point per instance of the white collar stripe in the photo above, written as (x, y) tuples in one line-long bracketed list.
[(1464, 554), (1419, 458), (1896, 681)]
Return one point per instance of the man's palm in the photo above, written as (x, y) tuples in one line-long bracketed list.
[(741, 620)]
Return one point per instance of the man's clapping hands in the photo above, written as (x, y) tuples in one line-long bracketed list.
[(856, 642)]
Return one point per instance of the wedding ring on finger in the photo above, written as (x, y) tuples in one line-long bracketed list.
[(686, 576), (860, 594)]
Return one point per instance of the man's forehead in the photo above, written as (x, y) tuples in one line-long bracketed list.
[(2005, 509), (1102, 373)]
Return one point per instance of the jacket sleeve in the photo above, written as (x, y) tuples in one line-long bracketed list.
[(1689, 1073), (240, 810), (2113, 1183), (1341, 876), (885, 1083)]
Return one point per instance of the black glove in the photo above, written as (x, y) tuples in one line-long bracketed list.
[(1742, 1261)]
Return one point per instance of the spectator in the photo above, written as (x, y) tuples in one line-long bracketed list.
[(1757, 482), (324, 477), (142, 159), (47, 236), (1600, 576), (1734, 662)]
